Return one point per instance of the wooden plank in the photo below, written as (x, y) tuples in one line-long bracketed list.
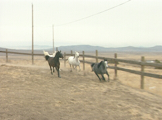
[(140, 63), (70, 54), (86, 62), (64, 59), (106, 58), (6, 55), (142, 71), (153, 75), (38, 54), (96, 56), (22, 53), (128, 70), (152, 64), (88, 56), (19, 53), (91, 56), (32, 36), (83, 61), (3, 51), (138, 72), (128, 61), (115, 56)]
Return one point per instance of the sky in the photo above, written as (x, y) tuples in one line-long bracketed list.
[(106, 23)]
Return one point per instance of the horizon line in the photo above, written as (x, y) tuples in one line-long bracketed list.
[(50, 47)]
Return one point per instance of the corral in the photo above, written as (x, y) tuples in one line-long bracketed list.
[(31, 92)]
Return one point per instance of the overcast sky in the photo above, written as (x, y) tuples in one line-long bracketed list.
[(135, 23)]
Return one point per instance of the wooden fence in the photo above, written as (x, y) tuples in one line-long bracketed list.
[(141, 64)]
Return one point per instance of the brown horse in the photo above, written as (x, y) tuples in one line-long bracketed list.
[(54, 62)]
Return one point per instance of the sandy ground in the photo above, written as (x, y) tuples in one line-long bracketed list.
[(30, 92)]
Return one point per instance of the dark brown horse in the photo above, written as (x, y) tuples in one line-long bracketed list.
[(54, 62)]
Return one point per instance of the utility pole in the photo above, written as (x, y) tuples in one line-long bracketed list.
[(53, 37), (32, 38)]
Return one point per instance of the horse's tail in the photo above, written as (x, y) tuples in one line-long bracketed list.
[(47, 57), (45, 53)]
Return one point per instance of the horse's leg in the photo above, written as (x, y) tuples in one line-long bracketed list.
[(75, 67), (70, 68), (57, 68), (103, 77), (51, 70), (98, 76), (79, 68), (108, 75)]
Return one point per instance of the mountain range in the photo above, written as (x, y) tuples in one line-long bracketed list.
[(90, 48), (104, 49)]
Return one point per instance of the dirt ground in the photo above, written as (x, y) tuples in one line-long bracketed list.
[(30, 92)]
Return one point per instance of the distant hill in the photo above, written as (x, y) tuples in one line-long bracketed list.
[(90, 48), (82, 48), (104, 49)]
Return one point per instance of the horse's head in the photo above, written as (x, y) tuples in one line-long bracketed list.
[(76, 54), (59, 54), (106, 63), (103, 64), (92, 65)]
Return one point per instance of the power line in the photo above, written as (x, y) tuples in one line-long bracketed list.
[(95, 14)]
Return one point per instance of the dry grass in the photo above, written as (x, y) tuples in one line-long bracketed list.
[(30, 92)]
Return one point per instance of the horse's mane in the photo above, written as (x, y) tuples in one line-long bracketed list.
[(75, 55), (57, 53), (102, 62), (92, 64)]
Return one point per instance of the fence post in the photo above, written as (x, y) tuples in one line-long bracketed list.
[(32, 57), (115, 56), (83, 62), (64, 59), (142, 70), (96, 56), (6, 55), (71, 53)]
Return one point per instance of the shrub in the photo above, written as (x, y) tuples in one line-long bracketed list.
[(157, 61)]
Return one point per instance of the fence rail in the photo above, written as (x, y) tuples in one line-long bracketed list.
[(141, 63), (20, 53)]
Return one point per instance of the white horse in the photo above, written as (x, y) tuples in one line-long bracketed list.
[(46, 53), (74, 61)]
